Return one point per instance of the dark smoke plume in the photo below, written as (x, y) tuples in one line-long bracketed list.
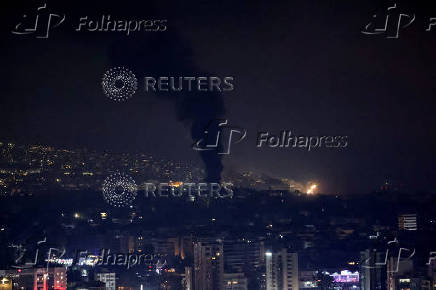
[(165, 54)]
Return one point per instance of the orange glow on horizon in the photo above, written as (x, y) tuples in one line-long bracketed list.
[(312, 189)]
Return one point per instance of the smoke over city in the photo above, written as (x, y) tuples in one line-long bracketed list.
[(192, 107)]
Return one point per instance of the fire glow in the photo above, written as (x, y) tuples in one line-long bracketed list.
[(312, 189)]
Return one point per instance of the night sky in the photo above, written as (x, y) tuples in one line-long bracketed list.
[(302, 66)]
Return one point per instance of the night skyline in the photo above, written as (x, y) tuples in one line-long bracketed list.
[(295, 68), (217, 145)]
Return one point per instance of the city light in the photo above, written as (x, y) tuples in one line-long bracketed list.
[(175, 183), (345, 276)]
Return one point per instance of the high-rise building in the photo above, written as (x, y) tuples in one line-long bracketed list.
[(38, 278), (433, 279), (180, 245), (164, 246), (126, 243), (281, 270), (398, 272), (186, 247), (431, 269), (407, 222), (208, 265), (373, 273), (187, 280), (108, 278), (243, 255)]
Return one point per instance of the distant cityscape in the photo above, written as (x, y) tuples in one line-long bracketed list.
[(25, 169), (57, 232)]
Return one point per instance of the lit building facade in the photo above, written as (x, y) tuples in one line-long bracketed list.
[(408, 222), (108, 278), (208, 265), (281, 270), (235, 281), (37, 278)]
